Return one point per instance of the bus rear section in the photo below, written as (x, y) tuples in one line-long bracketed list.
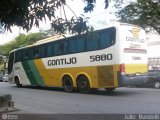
[(133, 59)]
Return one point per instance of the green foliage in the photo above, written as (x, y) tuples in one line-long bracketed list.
[(8, 47), (23, 40), (90, 4), (145, 13), (27, 13), (20, 41), (74, 25)]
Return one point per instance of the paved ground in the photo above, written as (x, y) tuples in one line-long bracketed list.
[(55, 101)]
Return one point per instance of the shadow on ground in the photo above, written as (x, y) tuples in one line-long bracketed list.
[(117, 92)]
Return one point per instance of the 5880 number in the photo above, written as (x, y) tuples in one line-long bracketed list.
[(102, 57)]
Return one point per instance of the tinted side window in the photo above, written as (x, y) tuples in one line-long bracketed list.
[(18, 55), (50, 48), (47, 50), (43, 51), (35, 52), (22, 55), (26, 54), (71, 45), (92, 41), (10, 62), (80, 44), (60, 48), (107, 38)]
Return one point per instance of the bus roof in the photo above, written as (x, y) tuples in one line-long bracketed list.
[(117, 24), (53, 38), (59, 37)]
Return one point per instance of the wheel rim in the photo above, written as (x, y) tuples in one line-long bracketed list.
[(157, 85), (68, 85), (83, 85)]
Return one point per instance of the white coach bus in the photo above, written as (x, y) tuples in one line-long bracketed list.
[(107, 58)]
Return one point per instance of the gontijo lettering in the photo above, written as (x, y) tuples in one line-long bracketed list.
[(63, 61), (135, 33), (135, 40)]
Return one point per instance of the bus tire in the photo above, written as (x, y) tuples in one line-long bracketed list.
[(68, 84), (83, 84), (17, 82)]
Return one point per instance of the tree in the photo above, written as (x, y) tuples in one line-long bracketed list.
[(26, 13), (145, 13), (20, 41)]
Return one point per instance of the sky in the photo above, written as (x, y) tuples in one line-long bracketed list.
[(98, 17)]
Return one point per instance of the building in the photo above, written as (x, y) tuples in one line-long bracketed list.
[(153, 48)]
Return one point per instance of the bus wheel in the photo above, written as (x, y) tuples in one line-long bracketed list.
[(68, 84), (17, 82), (110, 89), (83, 84)]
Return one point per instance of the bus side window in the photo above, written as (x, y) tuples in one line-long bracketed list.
[(10, 62), (113, 36), (36, 53), (92, 41), (106, 38), (18, 56), (50, 50), (56, 48), (61, 48), (80, 44), (26, 54), (43, 51), (71, 46)]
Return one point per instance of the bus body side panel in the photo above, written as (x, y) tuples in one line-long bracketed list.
[(106, 76), (32, 73), (53, 77), (100, 73), (99, 76)]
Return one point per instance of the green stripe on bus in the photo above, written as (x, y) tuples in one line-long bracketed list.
[(32, 73), (29, 73), (35, 72)]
